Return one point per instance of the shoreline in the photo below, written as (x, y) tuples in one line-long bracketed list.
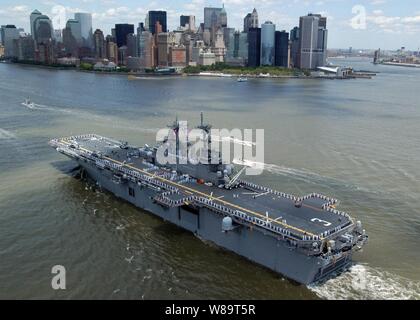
[(399, 64), (135, 75)]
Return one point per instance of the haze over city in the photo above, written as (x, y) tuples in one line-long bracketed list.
[(389, 24)]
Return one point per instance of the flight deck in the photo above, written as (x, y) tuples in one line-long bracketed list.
[(311, 215)]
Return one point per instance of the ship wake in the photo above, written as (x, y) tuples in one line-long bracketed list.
[(6, 135), (363, 282)]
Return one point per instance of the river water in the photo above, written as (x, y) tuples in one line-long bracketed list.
[(355, 140)]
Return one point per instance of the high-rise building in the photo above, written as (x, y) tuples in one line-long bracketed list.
[(25, 48), (313, 41), (155, 16), (140, 28), (281, 49), (177, 56), (99, 44), (212, 17), (121, 32), (164, 41), (268, 30), (294, 47), (251, 20), (9, 34), (122, 55), (219, 48), (58, 35), (227, 35), (111, 51), (74, 26), (223, 18), (2, 35), (85, 24), (131, 45), (229, 38), (187, 22), (188, 40), (254, 47), (43, 29), (35, 14), (184, 21), (207, 37), (243, 46), (237, 51), (69, 41), (377, 56), (146, 49), (45, 52)]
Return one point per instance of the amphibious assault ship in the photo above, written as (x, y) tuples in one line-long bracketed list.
[(304, 238)]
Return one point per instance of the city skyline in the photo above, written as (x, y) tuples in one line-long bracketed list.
[(388, 25)]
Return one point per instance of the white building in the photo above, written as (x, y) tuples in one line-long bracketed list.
[(105, 65), (206, 58)]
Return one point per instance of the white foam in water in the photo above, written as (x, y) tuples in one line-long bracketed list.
[(362, 282), (6, 135)]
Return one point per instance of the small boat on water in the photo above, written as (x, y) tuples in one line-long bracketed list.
[(28, 103), (242, 79)]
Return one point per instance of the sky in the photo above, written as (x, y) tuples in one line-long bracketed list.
[(361, 24)]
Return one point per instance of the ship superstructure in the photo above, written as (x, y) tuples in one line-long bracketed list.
[(305, 238)]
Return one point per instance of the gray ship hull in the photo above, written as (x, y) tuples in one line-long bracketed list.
[(260, 247), (303, 238)]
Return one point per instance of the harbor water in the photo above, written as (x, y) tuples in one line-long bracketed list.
[(355, 140)]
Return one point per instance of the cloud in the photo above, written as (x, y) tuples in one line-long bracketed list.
[(377, 2), (378, 21)]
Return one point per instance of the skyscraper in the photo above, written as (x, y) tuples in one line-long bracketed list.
[(69, 41), (131, 45), (211, 17), (99, 44), (146, 49), (111, 50), (229, 37), (164, 41), (189, 21), (251, 20), (294, 47), (223, 17), (73, 26), (45, 52), (121, 32), (43, 30), (219, 48), (25, 48), (237, 49), (313, 41), (155, 16), (85, 24), (9, 34), (35, 14), (281, 49), (254, 47), (268, 30)]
